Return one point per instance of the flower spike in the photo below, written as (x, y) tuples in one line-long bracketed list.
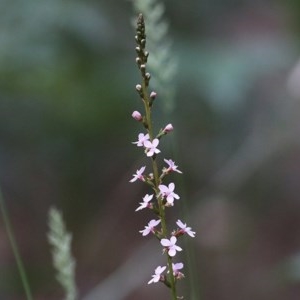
[(163, 195)]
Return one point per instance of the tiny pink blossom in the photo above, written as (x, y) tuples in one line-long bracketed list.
[(145, 202), (137, 116), (138, 175), (142, 138), (176, 267), (151, 147), (157, 276), (168, 192), (171, 245), (185, 229), (168, 128), (172, 166), (150, 227)]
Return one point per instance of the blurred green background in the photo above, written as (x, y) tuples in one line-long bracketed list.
[(67, 78)]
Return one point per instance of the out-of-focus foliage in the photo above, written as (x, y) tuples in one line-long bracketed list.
[(63, 261), (67, 77), (57, 52)]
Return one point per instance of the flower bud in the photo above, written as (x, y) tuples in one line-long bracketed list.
[(137, 116), (179, 275), (138, 87), (138, 60), (153, 95), (168, 128)]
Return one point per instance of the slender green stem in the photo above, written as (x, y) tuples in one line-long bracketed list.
[(172, 279), (14, 247)]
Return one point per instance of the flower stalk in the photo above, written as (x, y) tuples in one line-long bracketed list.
[(15, 249), (163, 194)]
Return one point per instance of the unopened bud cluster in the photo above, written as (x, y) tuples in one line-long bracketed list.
[(142, 57), (162, 195)]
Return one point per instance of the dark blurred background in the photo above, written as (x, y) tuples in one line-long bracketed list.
[(67, 78)]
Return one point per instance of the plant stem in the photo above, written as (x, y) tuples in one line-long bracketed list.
[(161, 207), (14, 247), (172, 279), (143, 92)]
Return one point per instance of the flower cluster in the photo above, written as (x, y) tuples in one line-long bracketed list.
[(162, 195)]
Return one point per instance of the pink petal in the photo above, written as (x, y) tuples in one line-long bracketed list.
[(180, 224), (147, 144), (178, 248), (173, 240), (165, 242), (163, 188), (171, 187), (155, 142)]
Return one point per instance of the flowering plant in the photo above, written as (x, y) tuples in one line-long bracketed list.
[(163, 196)]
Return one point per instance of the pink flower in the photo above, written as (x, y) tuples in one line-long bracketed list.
[(145, 202), (150, 227), (168, 192), (138, 175), (168, 128), (157, 276), (185, 229), (176, 267), (151, 147), (142, 139), (172, 166), (137, 116), (171, 245)]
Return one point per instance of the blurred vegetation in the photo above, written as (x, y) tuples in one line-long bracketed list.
[(67, 77)]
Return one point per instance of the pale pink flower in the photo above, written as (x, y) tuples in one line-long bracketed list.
[(138, 175), (157, 276), (168, 192), (137, 116), (145, 202), (150, 227), (185, 229), (142, 138), (172, 166), (171, 245), (151, 147), (176, 267)]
